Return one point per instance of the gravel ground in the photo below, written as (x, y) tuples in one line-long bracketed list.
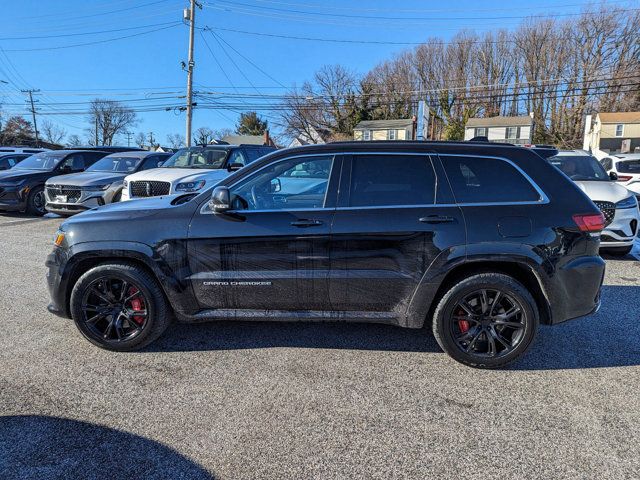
[(256, 400)]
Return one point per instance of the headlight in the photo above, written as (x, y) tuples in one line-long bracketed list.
[(97, 188), (190, 186), (629, 202)]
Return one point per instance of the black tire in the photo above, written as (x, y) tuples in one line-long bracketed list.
[(36, 202), (618, 251), (464, 345), (157, 312)]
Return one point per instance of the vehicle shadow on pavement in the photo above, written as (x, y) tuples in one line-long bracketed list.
[(43, 447), (229, 335), (606, 339)]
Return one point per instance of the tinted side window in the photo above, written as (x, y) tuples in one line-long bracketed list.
[(237, 157), (154, 161), (74, 161), (607, 164), (483, 180), (378, 180)]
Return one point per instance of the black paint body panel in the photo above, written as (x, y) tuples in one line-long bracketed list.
[(364, 264)]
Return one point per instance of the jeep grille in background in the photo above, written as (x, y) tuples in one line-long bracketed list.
[(608, 209), (149, 188), (72, 193)]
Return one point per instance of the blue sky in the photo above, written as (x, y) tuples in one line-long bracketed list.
[(144, 70)]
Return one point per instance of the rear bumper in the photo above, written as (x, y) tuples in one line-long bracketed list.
[(576, 288)]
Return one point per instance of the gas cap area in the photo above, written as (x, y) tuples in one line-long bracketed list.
[(514, 227)]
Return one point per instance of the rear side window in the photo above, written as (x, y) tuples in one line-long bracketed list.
[(379, 180), (487, 180), (606, 163), (629, 166)]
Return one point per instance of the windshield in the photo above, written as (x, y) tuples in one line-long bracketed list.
[(46, 161), (197, 157), (115, 164), (580, 167), (629, 166)]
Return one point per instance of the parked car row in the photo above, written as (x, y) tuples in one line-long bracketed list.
[(67, 182), (482, 242)]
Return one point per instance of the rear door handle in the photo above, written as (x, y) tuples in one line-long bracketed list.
[(433, 219), (303, 223)]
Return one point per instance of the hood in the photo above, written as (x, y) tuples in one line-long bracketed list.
[(604, 191), (15, 175), (142, 207), (87, 179), (174, 174)]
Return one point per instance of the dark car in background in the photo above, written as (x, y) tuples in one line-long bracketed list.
[(479, 242), (99, 184), (10, 160), (22, 187)]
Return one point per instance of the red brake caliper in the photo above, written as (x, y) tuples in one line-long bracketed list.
[(463, 325), (137, 305)]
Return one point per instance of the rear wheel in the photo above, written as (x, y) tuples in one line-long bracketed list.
[(618, 251), (487, 320), (119, 307), (36, 202)]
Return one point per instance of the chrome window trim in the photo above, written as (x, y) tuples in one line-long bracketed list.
[(204, 210), (543, 196)]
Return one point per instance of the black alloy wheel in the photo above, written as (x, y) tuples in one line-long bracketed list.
[(119, 306), (486, 320), (114, 309), (36, 202)]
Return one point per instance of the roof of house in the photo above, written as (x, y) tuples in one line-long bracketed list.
[(384, 124), (244, 139), (619, 117), (500, 121)]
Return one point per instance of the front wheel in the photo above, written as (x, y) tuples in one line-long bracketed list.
[(486, 321), (119, 306), (36, 202)]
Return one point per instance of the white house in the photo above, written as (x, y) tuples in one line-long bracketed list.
[(612, 132), (518, 130)]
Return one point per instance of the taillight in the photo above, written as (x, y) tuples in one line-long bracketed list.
[(590, 222), (624, 178)]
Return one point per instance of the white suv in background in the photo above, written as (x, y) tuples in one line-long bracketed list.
[(191, 169), (627, 169), (619, 205)]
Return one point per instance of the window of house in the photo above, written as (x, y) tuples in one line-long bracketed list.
[(380, 180), (480, 132), (366, 135), (391, 134), (619, 130), (512, 133), (487, 180)]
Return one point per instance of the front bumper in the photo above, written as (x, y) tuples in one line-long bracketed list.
[(57, 282), (622, 231), (81, 201), (13, 199)]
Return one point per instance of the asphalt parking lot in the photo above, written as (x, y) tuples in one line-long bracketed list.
[(265, 400)]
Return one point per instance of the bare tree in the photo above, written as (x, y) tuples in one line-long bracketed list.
[(74, 141), (110, 118), (203, 136), (175, 140), (141, 139), (52, 133)]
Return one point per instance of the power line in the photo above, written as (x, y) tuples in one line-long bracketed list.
[(174, 24), (88, 33)]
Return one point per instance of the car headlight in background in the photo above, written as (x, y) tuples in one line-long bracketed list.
[(190, 186), (629, 202), (97, 188)]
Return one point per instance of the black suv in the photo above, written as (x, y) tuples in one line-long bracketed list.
[(481, 242)]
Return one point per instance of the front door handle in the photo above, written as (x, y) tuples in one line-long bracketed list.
[(303, 223), (434, 219)]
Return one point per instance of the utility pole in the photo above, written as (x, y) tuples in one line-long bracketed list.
[(192, 24), (33, 112), (128, 134), (96, 130), (151, 140)]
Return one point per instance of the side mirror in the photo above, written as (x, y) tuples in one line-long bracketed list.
[(220, 199), (613, 176), (232, 167)]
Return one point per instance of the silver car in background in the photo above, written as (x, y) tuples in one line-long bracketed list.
[(100, 184)]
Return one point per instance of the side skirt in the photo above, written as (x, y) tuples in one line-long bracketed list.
[(291, 316)]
